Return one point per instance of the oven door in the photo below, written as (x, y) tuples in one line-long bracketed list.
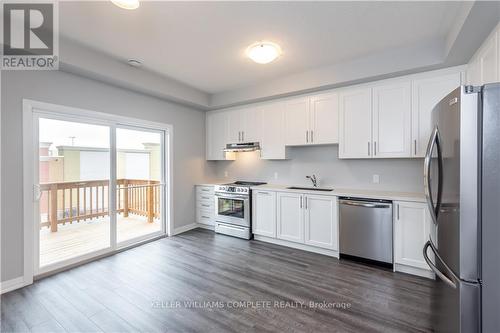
[(233, 209)]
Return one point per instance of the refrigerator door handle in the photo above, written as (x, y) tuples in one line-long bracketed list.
[(450, 282), (434, 141)]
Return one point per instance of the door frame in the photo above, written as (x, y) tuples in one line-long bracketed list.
[(33, 109)]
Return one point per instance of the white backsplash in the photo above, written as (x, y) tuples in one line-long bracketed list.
[(394, 174)]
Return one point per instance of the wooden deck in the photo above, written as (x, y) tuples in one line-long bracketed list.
[(76, 239)]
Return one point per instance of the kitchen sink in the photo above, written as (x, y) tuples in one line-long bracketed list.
[(310, 188)]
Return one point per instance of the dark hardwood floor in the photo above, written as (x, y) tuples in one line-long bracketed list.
[(239, 286)]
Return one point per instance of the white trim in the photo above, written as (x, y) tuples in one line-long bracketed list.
[(12, 284), (184, 228), (32, 109), (331, 253), (205, 226), (414, 271)]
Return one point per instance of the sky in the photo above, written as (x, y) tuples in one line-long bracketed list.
[(65, 133)]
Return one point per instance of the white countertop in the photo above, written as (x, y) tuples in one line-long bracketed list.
[(339, 192), (371, 194)]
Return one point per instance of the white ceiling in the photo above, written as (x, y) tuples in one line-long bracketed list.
[(202, 44)]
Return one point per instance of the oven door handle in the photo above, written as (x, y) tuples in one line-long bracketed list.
[(232, 196)]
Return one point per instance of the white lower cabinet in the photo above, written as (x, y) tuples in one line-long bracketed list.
[(412, 227), (309, 221), (321, 216), (205, 203), (264, 213), (290, 217)]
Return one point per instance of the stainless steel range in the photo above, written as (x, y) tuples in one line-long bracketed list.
[(233, 209)]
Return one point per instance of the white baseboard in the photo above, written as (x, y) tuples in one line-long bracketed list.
[(205, 226), (414, 271), (12, 284), (184, 228), (326, 252)]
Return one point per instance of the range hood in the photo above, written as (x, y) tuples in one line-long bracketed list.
[(240, 147)]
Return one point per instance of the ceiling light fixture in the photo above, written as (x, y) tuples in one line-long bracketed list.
[(263, 52), (127, 4)]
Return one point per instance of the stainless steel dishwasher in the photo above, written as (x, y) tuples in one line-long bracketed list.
[(366, 229)]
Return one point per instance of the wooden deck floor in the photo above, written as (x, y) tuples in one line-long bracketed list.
[(75, 239), (151, 288)]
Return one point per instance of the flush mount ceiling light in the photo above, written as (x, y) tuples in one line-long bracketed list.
[(263, 52), (127, 4)]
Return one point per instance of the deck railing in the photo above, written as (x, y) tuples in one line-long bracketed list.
[(64, 202)]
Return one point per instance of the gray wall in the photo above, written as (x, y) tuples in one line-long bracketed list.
[(67, 89), (395, 174)]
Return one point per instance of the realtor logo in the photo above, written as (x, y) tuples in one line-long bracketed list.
[(30, 36)]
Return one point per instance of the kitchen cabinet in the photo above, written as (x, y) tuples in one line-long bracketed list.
[(272, 137), (427, 91), (307, 218), (205, 202), (488, 59), (321, 226), (264, 213), (484, 66), (290, 217), (216, 136), (355, 123), (412, 227), (297, 121), (392, 119), (312, 120), (243, 125), (324, 119)]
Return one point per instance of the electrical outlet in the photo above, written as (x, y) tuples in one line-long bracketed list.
[(226, 174), (376, 179), (275, 175)]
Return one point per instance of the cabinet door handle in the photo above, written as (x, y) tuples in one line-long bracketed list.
[(242, 135), (375, 148), (312, 136), (368, 148), (306, 202), (415, 142), (397, 210), (300, 202), (307, 136)]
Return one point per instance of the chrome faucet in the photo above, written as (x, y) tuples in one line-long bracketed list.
[(313, 180)]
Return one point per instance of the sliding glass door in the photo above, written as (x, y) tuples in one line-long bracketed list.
[(100, 186), (139, 171)]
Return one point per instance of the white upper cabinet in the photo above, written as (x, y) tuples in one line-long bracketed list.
[(312, 120), (427, 92), (272, 134), (250, 124), (385, 119), (392, 119), (321, 221), (324, 119), (234, 126), (297, 121), (290, 217), (216, 132), (355, 123), (264, 213), (243, 125), (485, 64), (488, 59)]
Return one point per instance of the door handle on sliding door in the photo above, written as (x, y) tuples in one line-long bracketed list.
[(434, 141)]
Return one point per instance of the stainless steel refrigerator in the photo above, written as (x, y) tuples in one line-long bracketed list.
[(462, 185)]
